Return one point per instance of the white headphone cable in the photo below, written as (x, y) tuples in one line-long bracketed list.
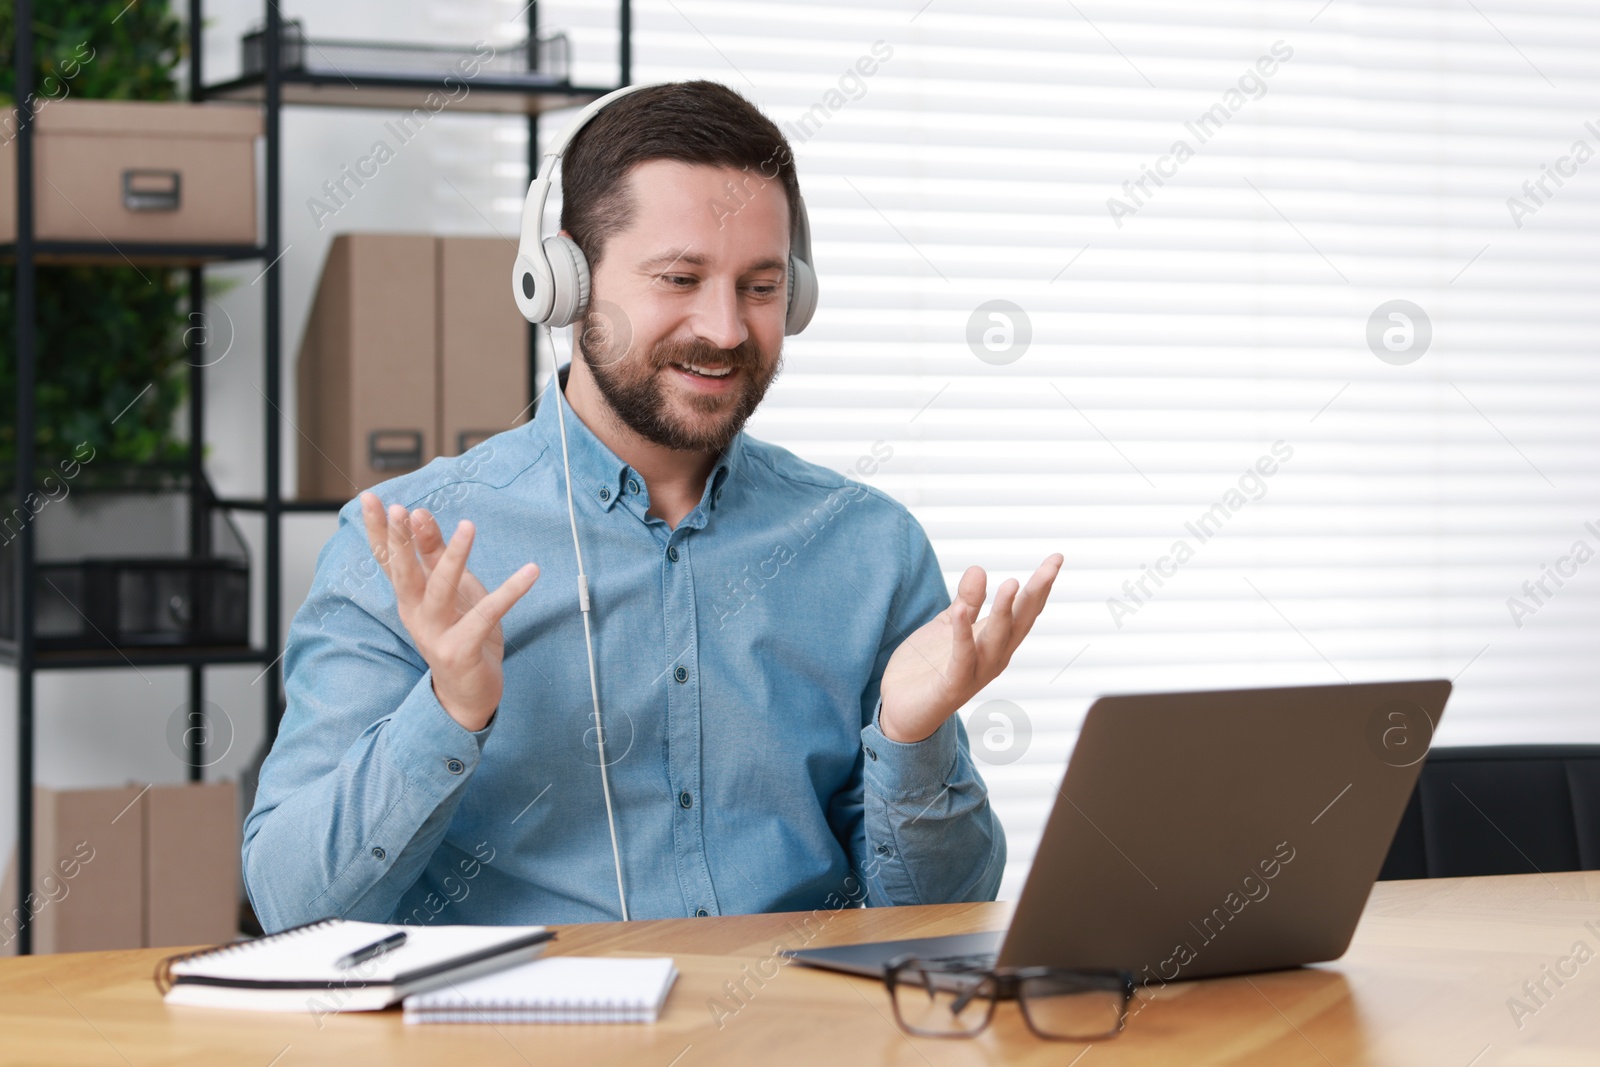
[(588, 640)]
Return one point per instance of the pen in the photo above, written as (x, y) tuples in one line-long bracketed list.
[(372, 951)]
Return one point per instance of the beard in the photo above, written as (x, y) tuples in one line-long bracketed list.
[(633, 388)]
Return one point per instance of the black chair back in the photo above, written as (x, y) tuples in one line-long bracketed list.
[(1503, 809)]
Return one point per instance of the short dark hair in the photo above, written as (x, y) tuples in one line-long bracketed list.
[(695, 122)]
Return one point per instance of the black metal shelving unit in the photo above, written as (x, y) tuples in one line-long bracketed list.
[(272, 90)]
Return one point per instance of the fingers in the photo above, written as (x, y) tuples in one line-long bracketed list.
[(444, 584), (998, 626), (390, 540), (1015, 607), (971, 588), (1031, 600), (963, 613), (963, 649), (372, 515), (428, 537), (475, 625), (410, 546), (1042, 578), (404, 571)]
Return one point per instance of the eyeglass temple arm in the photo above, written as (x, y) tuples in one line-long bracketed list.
[(959, 1005)]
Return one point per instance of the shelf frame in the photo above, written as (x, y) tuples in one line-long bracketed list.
[(26, 356), (237, 503), (133, 253), (175, 656), (489, 94), (277, 88)]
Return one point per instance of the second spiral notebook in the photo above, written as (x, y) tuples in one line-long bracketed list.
[(559, 989)]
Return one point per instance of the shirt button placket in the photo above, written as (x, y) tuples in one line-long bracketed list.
[(684, 741)]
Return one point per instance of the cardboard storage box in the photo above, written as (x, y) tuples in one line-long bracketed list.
[(129, 867), (414, 349), (191, 864), (365, 380), (88, 862), (122, 170), (483, 343)]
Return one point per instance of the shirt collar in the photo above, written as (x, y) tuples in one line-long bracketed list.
[(598, 474)]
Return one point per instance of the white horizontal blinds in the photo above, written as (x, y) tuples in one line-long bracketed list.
[(1367, 158)]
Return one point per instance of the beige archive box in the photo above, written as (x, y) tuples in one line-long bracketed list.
[(191, 864), (414, 349), (483, 343), (365, 380), (88, 861), (123, 170), (130, 867)]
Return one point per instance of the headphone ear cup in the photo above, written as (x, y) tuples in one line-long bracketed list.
[(569, 274), (802, 296), (530, 285)]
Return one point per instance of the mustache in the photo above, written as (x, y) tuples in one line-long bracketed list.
[(746, 356)]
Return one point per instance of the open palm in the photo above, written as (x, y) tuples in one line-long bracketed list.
[(452, 618), (952, 656)]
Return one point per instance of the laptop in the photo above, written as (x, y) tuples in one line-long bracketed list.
[(1209, 833)]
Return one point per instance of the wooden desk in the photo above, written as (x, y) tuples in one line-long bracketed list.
[(1426, 982)]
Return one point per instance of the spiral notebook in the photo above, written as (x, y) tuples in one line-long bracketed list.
[(298, 969), (561, 989)]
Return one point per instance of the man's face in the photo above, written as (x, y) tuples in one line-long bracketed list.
[(699, 279)]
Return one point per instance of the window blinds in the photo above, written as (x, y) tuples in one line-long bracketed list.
[(1276, 318)]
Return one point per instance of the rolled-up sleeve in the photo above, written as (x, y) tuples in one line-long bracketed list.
[(367, 768), (927, 833)]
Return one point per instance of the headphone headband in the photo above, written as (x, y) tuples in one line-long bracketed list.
[(550, 279)]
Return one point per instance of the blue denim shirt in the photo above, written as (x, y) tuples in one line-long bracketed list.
[(738, 658)]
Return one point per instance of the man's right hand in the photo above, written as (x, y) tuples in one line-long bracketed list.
[(453, 620)]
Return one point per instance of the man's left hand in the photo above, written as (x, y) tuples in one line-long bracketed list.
[(948, 660)]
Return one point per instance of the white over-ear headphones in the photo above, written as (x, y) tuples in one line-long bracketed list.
[(550, 280)]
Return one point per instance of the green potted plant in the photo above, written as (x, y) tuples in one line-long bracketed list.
[(109, 346), (110, 480)]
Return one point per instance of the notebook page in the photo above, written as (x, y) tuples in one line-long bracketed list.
[(564, 982), (309, 955)]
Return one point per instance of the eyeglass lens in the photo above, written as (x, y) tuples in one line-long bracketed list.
[(923, 1007), (1071, 1008)]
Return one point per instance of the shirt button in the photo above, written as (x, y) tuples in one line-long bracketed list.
[(605, 494), (633, 486), (701, 912), (685, 800), (681, 674), (672, 553), (378, 853), (882, 850), (870, 754), (454, 766)]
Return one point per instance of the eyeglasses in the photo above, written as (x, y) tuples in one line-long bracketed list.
[(952, 998)]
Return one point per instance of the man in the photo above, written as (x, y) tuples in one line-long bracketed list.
[(437, 761)]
